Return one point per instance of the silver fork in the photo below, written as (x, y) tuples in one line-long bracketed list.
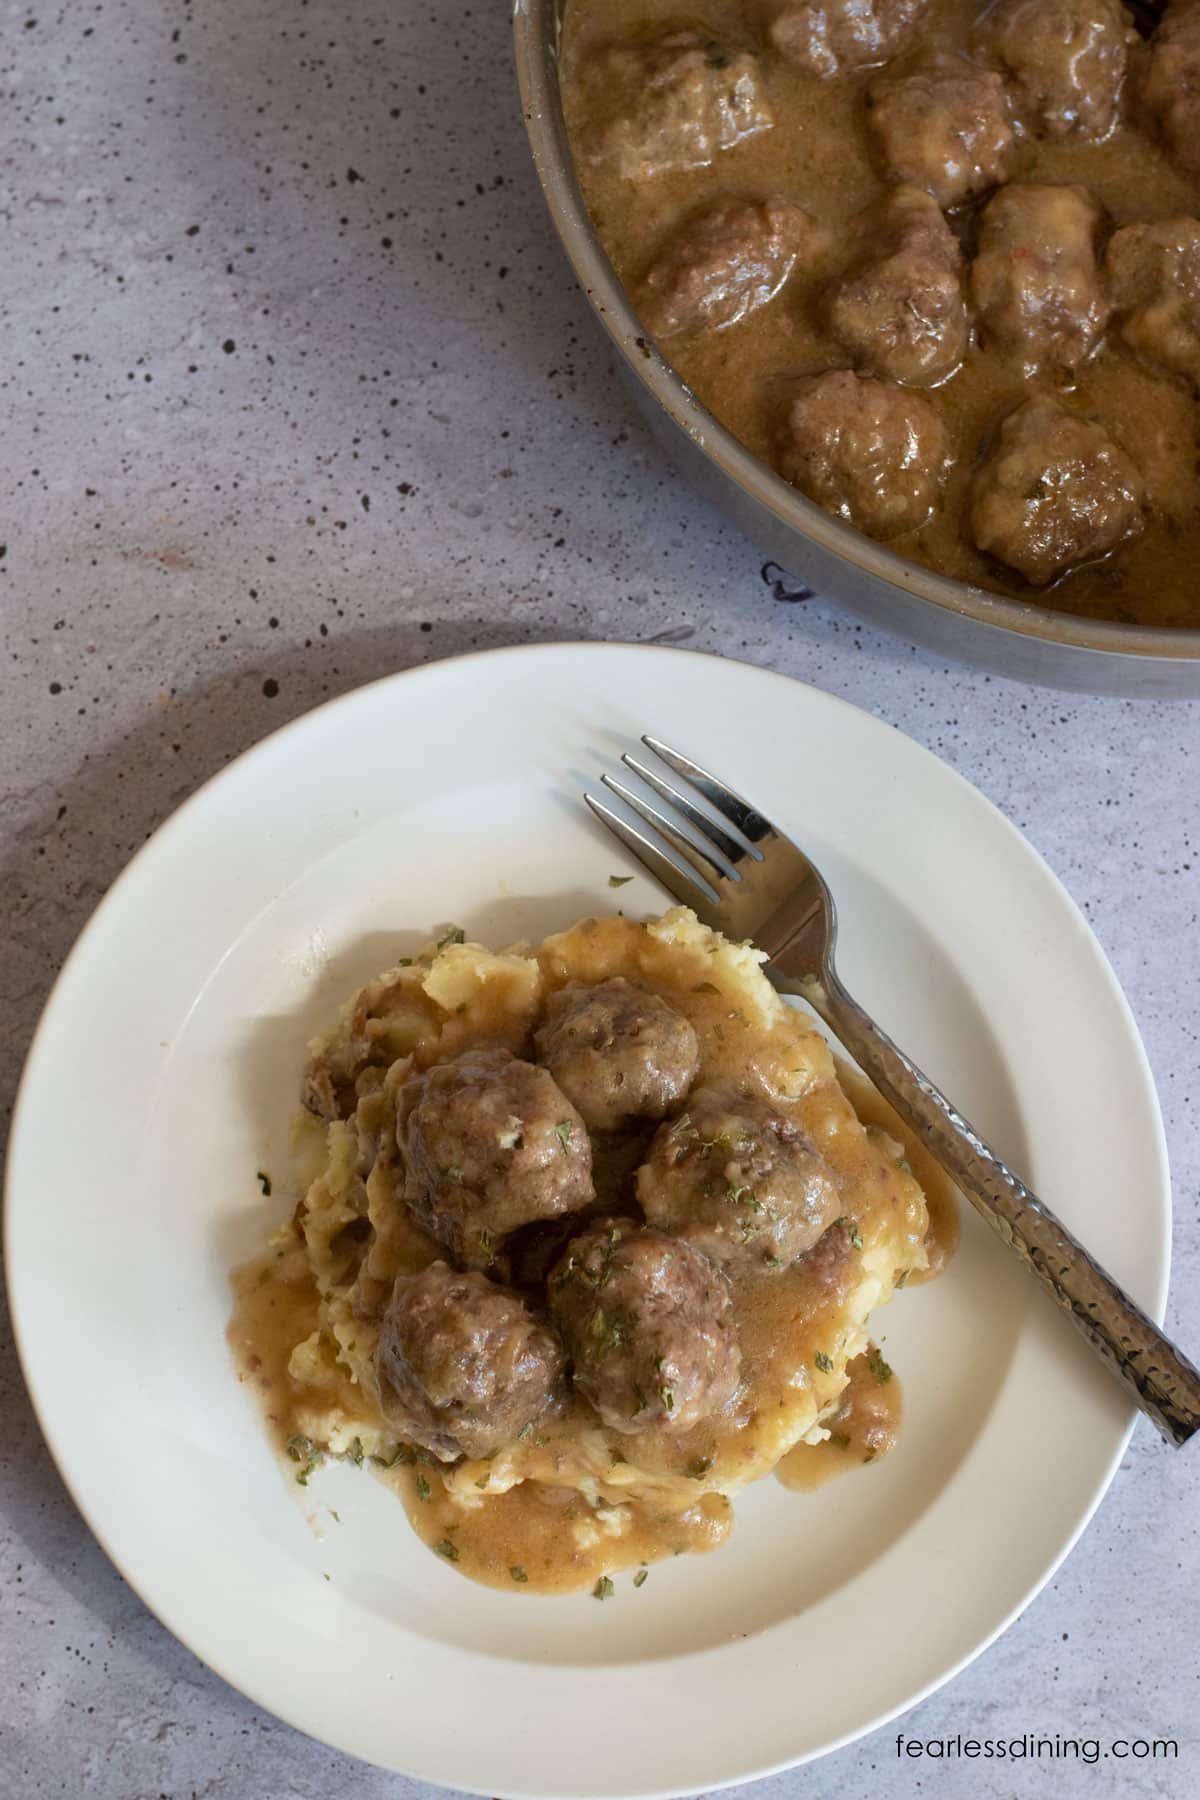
[(752, 882)]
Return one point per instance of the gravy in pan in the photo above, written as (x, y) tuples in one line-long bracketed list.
[(819, 156)]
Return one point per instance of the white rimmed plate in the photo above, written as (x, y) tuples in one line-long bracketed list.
[(164, 1075)]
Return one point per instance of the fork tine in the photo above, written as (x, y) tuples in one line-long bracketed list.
[(731, 806), (683, 887), (694, 855), (730, 850)]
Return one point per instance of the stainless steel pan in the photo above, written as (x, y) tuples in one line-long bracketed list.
[(950, 618)]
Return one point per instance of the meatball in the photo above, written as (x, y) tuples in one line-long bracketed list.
[(673, 100), (826, 37), (1154, 279), (648, 1323), (942, 124), (490, 1143), (740, 1181), (463, 1367), (1055, 490), (1172, 85), (617, 1051), (1065, 60), (867, 452), (721, 264), (1035, 281), (900, 311)]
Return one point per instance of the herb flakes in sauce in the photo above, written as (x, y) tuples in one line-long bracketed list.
[(455, 935), (517, 1573), (423, 1489), (619, 880), (850, 1227), (447, 1549), (878, 1367), (823, 1362), (641, 1577), (403, 1453), (562, 1132), (302, 1450), (603, 1589)]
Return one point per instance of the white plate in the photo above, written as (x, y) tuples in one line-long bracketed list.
[(165, 1074)]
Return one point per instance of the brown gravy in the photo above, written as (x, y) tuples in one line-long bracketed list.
[(864, 1428), (818, 156)]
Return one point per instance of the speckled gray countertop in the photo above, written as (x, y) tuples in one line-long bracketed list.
[(297, 391)]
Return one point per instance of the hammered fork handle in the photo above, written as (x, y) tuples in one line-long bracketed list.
[(1164, 1383)]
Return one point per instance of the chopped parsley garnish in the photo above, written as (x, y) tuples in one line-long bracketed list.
[(879, 1369), (741, 1196), (603, 1589), (698, 1468), (403, 1453), (355, 1452), (447, 1549), (518, 1573), (667, 1396), (850, 1226), (640, 1577), (610, 1330), (422, 1488), (823, 1362), (405, 962), (482, 1481), (264, 1181), (901, 1278), (903, 1163), (563, 1130), (455, 935), (302, 1450), (619, 880)]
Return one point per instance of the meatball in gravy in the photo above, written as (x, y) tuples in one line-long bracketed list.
[(617, 1051), (941, 123), (490, 1143), (1035, 280), (826, 37), (1065, 60), (900, 312), (868, 452), (739, 1181), (721, 264), (1172, 85), (463, 1367), (1055, 490), (1154, 278), (648, 1323), (673, 100)]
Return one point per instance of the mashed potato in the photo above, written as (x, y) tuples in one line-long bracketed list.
[(572, 1500)]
